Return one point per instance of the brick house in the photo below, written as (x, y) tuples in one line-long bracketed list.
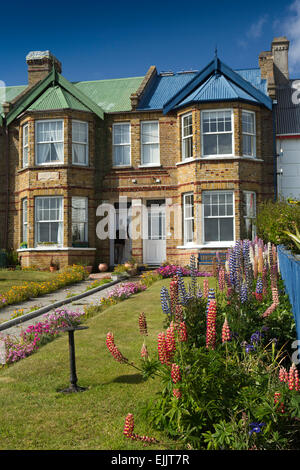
[(179, 160)]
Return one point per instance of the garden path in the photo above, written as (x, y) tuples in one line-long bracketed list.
[(48, 299)]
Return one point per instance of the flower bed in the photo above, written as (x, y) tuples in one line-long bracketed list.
[(171, 270), (122, 292), (224, 359), (67, 276), (41, 333)]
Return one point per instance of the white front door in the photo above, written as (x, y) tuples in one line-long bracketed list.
[(154, 245)]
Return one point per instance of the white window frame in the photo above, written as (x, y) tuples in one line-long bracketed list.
[(85, 222), (116, 124), (246, 215), (81, 143), (221, 242), (25, 220), (187, 220), (25, 144), (150, 143), (61, 162), (184, 138), (37, 222), (245, 111), (217, 155)]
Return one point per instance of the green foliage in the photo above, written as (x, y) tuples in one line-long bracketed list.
[(274, 219)]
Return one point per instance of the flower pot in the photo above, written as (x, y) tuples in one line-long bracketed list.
[(53, 268), (102, 267), (89, 269)]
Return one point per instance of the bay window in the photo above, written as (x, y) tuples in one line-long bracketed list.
[(218, 218), (187, 136), (249, 134), (121, 144), (79, 143), (49, 220), (188, 218), (49, 142), (217, 133), (79, 220), (150, 143)]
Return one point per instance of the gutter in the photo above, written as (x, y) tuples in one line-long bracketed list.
[(5, 244), (275, 156)]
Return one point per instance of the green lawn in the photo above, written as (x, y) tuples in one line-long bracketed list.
[(35, 416), (9, 279)]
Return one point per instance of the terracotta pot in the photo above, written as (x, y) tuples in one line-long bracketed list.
[(53, 268), (103, 267), (89, 269)]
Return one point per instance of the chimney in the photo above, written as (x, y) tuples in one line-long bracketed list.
[(40, 64), (266, 64), (280, 50)]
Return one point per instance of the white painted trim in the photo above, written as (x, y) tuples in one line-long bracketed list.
[(207, 245), (56, 248), (113, 145), (36, 143), (213, 133), (217, 244), (153, 121), (254, 135), (81, 143)]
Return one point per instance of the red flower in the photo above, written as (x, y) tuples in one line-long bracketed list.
[(177, 393), (163, 352), (211, 324), (118, 356), (144, 352), (129, 425), (170, 341), (182, 332), (143, 324), (225, 331), (175, 373)]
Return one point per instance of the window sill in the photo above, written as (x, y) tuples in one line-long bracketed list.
[(207, 245), (156, 165), (187, 160), (56, 248)]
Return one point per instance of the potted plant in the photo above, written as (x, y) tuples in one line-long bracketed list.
[(23, 245), (53, 265), (103, 267)]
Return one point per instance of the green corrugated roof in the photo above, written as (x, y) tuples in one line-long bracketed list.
[(111, 95), (56, 97)]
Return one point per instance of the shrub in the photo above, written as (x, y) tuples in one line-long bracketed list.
[(274, 219)]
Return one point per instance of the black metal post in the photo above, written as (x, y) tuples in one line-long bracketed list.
[(73, 377)]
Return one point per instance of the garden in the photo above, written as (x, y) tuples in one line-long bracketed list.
[(178, 360)]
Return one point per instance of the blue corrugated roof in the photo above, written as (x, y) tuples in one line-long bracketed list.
[(217, 88), (165, 87)]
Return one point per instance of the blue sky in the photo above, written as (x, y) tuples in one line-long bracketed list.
[(114, 39)]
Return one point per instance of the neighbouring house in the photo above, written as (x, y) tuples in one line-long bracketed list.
[(175, 162), (287, 115)]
